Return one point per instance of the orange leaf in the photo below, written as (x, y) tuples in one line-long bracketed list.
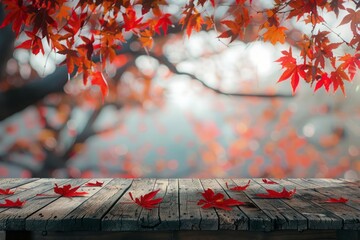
[(275, 34), (98, 79)]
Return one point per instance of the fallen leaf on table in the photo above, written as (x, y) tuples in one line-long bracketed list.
[(11, 204), (217, 201), (336, 200), (238, 188), (268, 181), (147, 201), (96, 184), (65, 191), (274, 194), (6, 191)]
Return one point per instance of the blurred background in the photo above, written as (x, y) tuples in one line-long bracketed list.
[(192, 107)]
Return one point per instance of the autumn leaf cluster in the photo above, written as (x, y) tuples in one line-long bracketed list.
[(81, 30)]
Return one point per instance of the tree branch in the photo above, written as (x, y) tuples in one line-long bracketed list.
[(163, 60)]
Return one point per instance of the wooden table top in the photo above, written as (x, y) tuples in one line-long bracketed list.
[(109, 208)]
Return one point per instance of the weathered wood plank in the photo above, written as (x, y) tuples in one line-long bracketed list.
[(15, 184), (14, 218), (349, 217), (228, 220), (89, 214), (281, 214), (166, 217), (192, 217), (169, 208), (49, 217), (258, 220), (124, 215)]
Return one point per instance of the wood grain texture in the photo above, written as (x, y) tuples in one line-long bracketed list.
[(258, 220), (49, 217), (348, 216), (192, 217), (124, 215), (228, 220), (14, 218), (281, 214), (109, 208), (89, 214)]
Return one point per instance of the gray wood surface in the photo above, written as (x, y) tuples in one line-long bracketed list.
[(49, 217), (192, 217), (234, 219), (109, 208), (349, 217), (14, 218), (281, 214), (258, 220), (124, 215), (89, 214)]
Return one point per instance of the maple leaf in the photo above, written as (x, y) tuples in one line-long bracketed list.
[(274, 194), (67, 191), (350, 63), (191, 21), (335, 5), (96, 184), (35, 44), (71, 60), (163, 23), (291, 69), (130, 20), (6, 191), (99, 80), (352, 18), (238, 188), (236, 26), (147, 201), (87, 46), (146, 39), (337, 78), (275, 34), (17, 15), (217, 201), (268, 181), (323, 81), (11, 204), (336, 200)]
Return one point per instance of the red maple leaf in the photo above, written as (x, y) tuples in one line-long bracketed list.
[(96, 184), (288, 62), (163, 23), (336, 200), (67, 191), (147, 201), (17, 15), (238, 188), (268, 181), (11, 204), (98, 79), (6, 191), (274, 194), (217, 201)]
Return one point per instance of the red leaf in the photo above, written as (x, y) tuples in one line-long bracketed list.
[(238, 188), (217, 201), (6, 191), (67, 191), (98, 79), (268, 181), (292, 70), (274, 194), (147, 201), (11, 204), (337, 200), (163, 23), (96, 184)]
